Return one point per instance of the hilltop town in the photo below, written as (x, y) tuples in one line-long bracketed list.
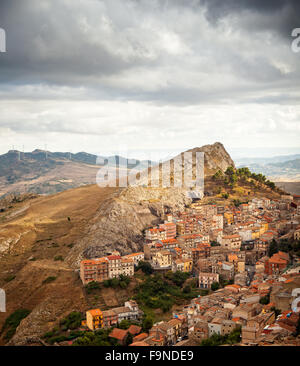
[(153, 265), (245, 260)]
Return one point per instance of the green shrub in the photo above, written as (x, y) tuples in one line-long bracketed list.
[(93, 285), (72, 321), (145, 267), (215, 286), (12, 322), (265, 300)]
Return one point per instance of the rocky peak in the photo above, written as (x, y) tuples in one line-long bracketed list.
[(215, 157)]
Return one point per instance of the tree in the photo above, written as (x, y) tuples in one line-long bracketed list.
[(115, 282), (229, 171), (236, 202), (145, 267), (147, 323), (265, 300), (128, 339), (218, 175), (215, 286), (13, 321), (124, 324), (243, 172), (187, 289)]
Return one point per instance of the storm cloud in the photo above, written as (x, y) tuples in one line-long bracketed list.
[(130, 61)]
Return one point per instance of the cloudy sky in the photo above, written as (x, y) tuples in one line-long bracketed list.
[(104, 76)]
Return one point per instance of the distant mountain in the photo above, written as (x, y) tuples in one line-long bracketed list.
[(46, 172), (264, 160), (290, 187), (291, 164), (277, 171)]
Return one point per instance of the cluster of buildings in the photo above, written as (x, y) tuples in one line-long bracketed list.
[(111, 266), (216, 244), (211, 240), (232, 307), (96, 319)]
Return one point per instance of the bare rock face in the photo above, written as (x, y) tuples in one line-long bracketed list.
[(215, 157), (119, 223)]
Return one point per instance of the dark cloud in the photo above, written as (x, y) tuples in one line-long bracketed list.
[(280, 16), (162, 51)]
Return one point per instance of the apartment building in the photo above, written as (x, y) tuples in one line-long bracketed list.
[(178, 265), (231, 241), (206, 279), (94, 270), (155, 234), (101, 269), (136, 257), (276, 263), (170, 229), (127, 267), (162, 259), (114, 266)]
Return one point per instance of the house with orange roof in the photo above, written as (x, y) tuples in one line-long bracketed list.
[(140, 337), (119, 334), (170, 229), (234, 288), (155, 234), (94, 270), (134, 329), (94, 319), (276, 263), (136, 257)]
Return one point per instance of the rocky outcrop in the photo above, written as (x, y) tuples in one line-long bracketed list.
[(187, 169), (215, 157), (119, 223)]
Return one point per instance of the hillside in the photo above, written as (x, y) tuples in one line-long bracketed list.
[(45, 172), (49, 235)]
